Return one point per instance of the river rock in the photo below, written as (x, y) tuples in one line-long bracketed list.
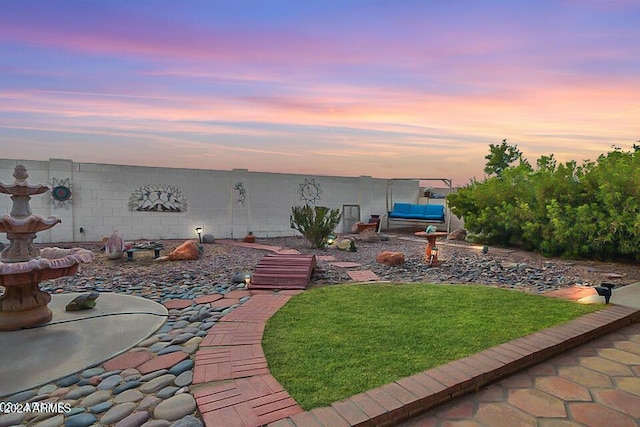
[(12, 419), (188, 421), (148, 402), (134, 420), (79, 392), (56, 421), (157, 383), (175, 407), (117, 413), (129, 396), (95, 398), (180, 367), (80, 420)]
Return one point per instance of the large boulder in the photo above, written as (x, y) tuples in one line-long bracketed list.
[(459, 234), (208, 238), (114, 246), (390, 258), (186, 251)]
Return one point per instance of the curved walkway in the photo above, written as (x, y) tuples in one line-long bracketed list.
[(231, 381), (233, 386)]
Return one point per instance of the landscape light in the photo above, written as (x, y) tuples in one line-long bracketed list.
[(199, 231)]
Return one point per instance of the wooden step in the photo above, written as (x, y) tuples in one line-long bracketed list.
[(283, 271)]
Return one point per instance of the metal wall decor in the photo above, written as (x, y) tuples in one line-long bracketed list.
[(242, 193), (310, 191), (60, 193), (158, 198)]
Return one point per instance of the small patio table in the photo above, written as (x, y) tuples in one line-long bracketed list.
[(156, 248)]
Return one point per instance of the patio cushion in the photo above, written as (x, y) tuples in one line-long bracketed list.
[(418, 212)]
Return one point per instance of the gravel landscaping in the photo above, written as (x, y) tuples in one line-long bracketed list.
[(461, 262)]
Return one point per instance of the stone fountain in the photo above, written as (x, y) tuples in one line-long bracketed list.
[(22, 265)]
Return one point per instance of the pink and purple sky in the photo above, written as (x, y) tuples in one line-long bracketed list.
[(393, 88)]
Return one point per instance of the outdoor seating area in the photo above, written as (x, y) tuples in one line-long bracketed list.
[(421, 211), (409, 212)]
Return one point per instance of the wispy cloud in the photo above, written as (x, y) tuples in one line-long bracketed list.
[(358, 88), (109, 95)]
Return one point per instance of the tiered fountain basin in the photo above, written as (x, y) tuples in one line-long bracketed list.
[(23, 303), (23, 265), (21, 232)]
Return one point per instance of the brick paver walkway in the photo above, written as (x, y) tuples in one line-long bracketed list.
[(233, 386)]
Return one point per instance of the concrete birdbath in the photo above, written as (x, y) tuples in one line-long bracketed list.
[(22, 265)]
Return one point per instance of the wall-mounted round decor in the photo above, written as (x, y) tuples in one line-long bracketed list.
[(60, 192)]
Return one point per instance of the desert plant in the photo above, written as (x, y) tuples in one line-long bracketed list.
[(316, 223)]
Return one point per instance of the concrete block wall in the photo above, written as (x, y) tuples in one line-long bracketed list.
[(102, 192)]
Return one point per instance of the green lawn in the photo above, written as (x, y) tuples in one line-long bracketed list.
[(330, 343)]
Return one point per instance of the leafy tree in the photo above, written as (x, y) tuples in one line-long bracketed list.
[(316, 223), (500, 157)]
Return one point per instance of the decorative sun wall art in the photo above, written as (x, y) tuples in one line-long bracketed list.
[(310, 191), (158, 198), (241, 193), (60, 193)]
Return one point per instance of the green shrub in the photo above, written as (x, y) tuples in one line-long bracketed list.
[(316, 223), (579, 211)]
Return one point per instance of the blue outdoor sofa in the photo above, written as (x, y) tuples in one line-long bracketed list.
[(414, 212)]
